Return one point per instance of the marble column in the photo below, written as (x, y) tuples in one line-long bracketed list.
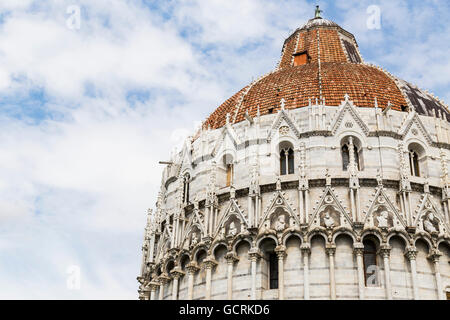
[(385, 251), (331, 250), (176, 275), (358, 250), (192, 269), (231, 258), (153, 286), (163, 279), (434, 257), (306, 250), (281, 254), (209, 263), (411, 254), (254, 256)]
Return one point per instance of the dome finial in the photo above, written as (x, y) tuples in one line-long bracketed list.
[(318, 12)]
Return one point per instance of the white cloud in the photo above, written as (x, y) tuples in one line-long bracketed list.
[(74, 188)]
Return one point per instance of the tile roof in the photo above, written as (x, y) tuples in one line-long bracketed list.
[(335, 69)]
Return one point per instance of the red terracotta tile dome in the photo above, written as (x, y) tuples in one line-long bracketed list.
[(321, 62)]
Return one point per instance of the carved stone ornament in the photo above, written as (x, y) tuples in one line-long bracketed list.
[(284, 130)]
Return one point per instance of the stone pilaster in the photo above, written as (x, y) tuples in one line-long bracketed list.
[(385, 251), (176, 275), (331, 251), (306, 251), (231, 258), (254, 255), (434, 258), (192, 269), (358, 250), (411, 254), (281, 254), (209, 264)]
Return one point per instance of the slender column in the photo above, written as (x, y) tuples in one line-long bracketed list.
[(144, 293), (281, 253), (207, 209), (153, 286), (352, 204), (163, 279), (331, 250), (231, 258), (176, 274), (434, 257), (411, 254), (358, 206), (192, 268), (250, 211), (307, 206), (385, 253), (209, 263), (405, 205), (300, 205), (254, 256), (306, 250), (358, 249)]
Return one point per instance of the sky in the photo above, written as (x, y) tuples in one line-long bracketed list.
[(94, 93)]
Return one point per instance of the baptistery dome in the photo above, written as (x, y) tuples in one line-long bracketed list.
[(326, 178)]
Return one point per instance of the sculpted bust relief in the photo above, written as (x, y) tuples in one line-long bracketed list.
[(280, 224), (383, 219)]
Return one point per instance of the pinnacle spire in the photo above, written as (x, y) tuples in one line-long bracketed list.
[(318, 12)]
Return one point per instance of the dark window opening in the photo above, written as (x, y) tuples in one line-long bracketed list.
[(414, 163), (286, 161), (273, 271), (186, 188), (270, 110), (229, 174), (404, 108), (370, 264), (346, 157)]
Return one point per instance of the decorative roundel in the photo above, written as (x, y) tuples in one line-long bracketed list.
[(284, 130), (381, 199), (328, 199), (349, 124), (414, 132), (279, 201)]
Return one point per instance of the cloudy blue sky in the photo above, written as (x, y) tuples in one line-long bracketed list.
[(86, 114)]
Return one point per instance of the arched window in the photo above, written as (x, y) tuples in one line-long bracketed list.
[(186, 180), (370, 264), (286, 161), (230, 170), (345, 151), (414, 163), (345, 157), (273, 271)]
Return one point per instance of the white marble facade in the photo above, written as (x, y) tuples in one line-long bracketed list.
[(207, 240)]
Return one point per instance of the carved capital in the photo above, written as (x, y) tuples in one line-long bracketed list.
[(177, 273), (163, 278), (153, 286), (411, 253), (305, 248), (358, 248), (434, 255), (281, 252), (254, 254), (209, 263), (231, 257), (385, 250), (330, 249), (192, 268)]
